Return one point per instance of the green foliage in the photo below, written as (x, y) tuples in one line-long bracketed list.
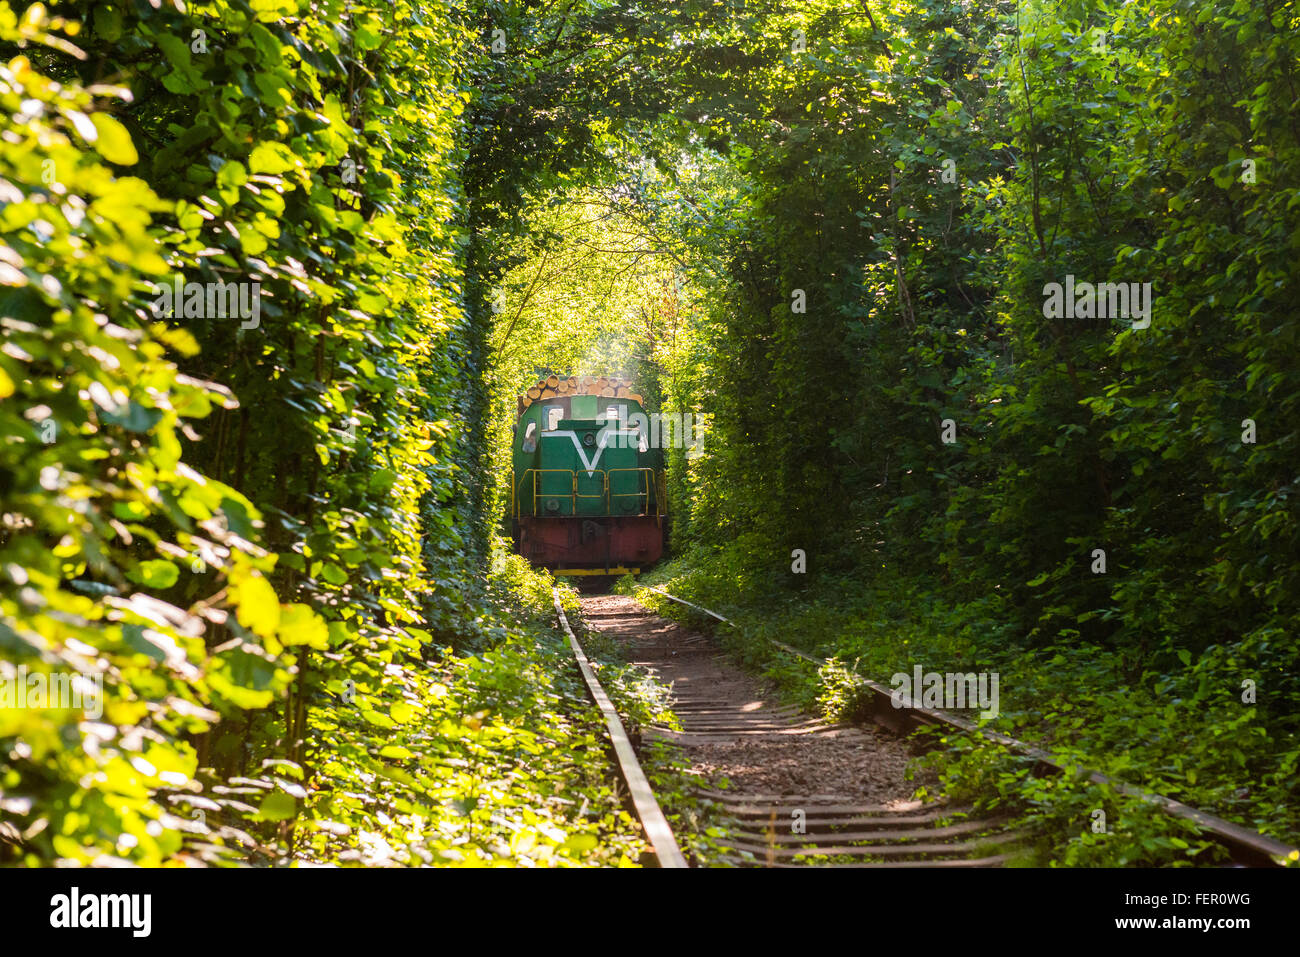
[(489, 759), (1084, 140), (266, 537), (234, 522)]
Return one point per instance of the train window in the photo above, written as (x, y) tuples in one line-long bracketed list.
[(553, 415), (530, 437)]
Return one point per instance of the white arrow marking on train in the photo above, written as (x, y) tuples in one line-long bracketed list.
[(577, 444)]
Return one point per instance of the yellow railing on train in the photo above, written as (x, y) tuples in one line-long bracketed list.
[(650, 481), (648, 475)]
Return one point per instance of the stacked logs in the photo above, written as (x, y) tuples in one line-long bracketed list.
[(611, 386)]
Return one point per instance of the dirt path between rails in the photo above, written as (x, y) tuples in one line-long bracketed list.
[(735, 729)]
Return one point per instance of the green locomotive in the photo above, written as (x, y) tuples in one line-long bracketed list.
[(587, 484)]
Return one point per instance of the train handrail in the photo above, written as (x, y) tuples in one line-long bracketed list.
[(571, 494), (643, 472), (653, 483), (603, 494)]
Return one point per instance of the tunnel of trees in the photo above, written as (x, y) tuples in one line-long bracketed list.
[(989, 307)]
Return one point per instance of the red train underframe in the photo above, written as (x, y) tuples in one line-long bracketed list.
[(591, 542)]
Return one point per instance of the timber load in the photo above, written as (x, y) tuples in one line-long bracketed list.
[(614, 387)]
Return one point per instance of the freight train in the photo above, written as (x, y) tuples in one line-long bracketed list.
[(587, 493)]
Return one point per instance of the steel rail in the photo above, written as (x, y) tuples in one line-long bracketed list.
[(1247, 846), (651, 815)]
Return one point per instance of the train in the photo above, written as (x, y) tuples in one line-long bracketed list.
[(587, 486)]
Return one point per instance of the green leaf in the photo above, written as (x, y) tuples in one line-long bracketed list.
[(580, 843), (401, 712), (300, 625), (277, 806), (381, 480), (156, 573), (340, 633), (257, 606), (272, 158), (114, 143), (108, 22), (271, 11)]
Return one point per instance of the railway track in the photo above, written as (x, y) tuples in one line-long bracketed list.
[(808, 792), (724, 717)]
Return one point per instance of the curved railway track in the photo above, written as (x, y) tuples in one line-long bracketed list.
[(833, 803)]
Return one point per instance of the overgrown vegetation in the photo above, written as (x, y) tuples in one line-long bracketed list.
[(1098, 509), (918, 458), (263, 530), (828, 226)]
